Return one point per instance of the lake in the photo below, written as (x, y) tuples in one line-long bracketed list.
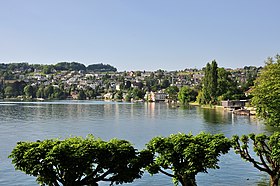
[(138, 123)]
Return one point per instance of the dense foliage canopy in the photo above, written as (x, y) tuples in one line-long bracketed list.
[(69, 66), (79, 161), (267, 148), (172, 92), (186, 155), (186, 95), (101, 68), (86, 161), (266, 92), (218, 84)]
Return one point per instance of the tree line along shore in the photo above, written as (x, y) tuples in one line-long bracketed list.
[(76, 81)]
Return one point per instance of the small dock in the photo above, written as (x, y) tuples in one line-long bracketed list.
[(234, 104), (238, 107), (242, 112)]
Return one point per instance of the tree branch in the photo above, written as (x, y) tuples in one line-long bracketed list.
[(91, 175), (103, 176), (264, 164), (252, 160), (166, 173)]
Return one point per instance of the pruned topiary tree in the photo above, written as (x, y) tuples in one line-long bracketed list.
[(80, 161), (267, 150), (183, 156)]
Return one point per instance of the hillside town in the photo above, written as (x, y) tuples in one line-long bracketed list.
[(24, 81)]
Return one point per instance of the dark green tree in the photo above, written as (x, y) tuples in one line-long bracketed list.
[(90, 93), (138, 73), (73, 66), (1, 91), (164, 83), (183, 156), (47, 69), (58, 93), (151, 83), (14, 89), (266, 92), (172, 92), (127, 85), (128, 96), (29, 91), (80, 161), (82, 95), (266, 148), (227, 88), (210, 84), (186, 95), (159, 74), (101, 68), (137, 94), (118, 95), (49, 91), (224, 81), (40, 92), (9, 91)]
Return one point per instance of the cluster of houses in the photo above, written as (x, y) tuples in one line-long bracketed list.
[(110, 82)]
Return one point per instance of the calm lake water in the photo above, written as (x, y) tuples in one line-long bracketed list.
[(138, 123)]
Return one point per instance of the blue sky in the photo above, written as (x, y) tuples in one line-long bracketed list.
[(140, 34)]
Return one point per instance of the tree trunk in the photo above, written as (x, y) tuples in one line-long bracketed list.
[(188, 181), (274, 180)]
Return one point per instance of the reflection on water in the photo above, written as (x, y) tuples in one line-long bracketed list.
[(138, 123), (215, 116)]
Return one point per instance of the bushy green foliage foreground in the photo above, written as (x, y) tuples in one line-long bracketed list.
[(79, 161), (186, 155), (87, 161), (266, 92)]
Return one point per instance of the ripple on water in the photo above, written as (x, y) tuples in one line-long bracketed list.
[(137, 123)]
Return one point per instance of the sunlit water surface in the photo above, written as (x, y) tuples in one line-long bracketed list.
[(138, 123)]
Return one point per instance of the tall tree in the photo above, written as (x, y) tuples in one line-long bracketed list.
[(267, 148), (80, 161), (59, 93), (266, 92), (28, 91), (224, 81), (40, 92), (214, 79), (210, 84), (48, 91), (183, 156)]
